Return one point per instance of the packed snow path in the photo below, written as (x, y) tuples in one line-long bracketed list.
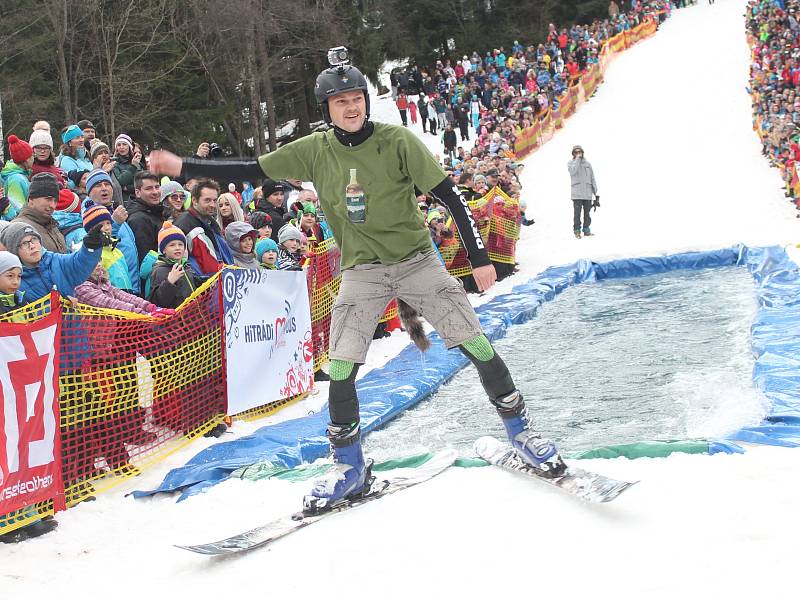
[(678, 167)]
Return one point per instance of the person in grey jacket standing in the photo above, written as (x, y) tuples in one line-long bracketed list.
[(583, 187)]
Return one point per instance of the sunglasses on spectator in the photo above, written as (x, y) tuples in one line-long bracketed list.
[(177, 196)]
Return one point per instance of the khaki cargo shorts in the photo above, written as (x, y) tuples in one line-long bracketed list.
[(421, 281)]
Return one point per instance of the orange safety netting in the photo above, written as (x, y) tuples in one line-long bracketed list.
[(133, 389), (498, 218)]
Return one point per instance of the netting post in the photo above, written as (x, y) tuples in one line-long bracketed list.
[(223, 354)]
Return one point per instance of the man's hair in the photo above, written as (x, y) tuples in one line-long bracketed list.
[(202, 184), (139, 178)]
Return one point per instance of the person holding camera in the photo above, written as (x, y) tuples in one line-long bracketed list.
[(128, 159), (583, 187), (365, 174)]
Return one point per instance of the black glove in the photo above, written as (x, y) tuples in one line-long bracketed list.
[(4, 204), (95, 239), (596, 203)]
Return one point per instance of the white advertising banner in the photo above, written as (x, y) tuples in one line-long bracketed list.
[(268, 349)]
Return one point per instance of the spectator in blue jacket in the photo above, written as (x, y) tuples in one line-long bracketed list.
[(101, 191), (43, 270)]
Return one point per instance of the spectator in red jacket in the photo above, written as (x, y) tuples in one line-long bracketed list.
[(402, 106)]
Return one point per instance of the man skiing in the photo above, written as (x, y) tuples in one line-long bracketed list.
[(583, 186), (365, 174)]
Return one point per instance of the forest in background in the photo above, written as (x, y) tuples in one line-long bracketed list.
[(174, 73)]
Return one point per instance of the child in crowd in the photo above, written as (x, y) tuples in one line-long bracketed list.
[(289, 256), (267, 253), (10, 280), (241, 237), (43, 270), (98, 291), (262, 223), (172, 280), (112, 259)]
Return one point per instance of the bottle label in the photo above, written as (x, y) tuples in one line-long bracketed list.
[(356, 200)]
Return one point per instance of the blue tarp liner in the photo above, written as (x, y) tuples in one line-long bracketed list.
[(412, 376)]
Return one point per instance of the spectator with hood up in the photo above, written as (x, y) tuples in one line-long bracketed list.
[(241, 237)]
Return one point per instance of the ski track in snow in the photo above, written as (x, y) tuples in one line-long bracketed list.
[(686, 173)]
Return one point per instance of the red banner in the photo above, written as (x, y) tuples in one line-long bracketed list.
[(30, 442)]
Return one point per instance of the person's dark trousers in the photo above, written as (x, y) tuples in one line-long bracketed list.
[(586, 206), (463, 128), (432, 123), (403, 118)]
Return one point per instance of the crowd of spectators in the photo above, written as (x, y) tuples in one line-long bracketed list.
[(774, 26), (487, 98)]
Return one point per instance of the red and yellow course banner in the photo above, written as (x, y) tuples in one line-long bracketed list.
[(30, 445)]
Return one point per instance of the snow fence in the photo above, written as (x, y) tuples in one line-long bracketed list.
[(410, 377)]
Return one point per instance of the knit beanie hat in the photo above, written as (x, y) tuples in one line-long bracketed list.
[(124, 139), (71, 133), (265, 245), (11, 236), (68, 202), (270, 186), (43, 185), (308, 207), (169, 233), (76, 176), (86, 124), (9, 261), (20, 150), (288, 232), (259, 219), (41, 138), (95, 146), (171, 187), (95, 177), (94, 215)]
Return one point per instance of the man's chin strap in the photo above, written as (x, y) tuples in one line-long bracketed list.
[(354, 139)]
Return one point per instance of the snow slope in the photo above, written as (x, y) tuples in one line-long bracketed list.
[(685, 173)]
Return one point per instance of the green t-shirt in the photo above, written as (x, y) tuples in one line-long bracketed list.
[(387, 166)]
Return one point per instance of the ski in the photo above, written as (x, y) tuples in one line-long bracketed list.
[(263, 535), (586, 485)]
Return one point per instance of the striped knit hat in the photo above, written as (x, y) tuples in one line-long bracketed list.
[(169, 233), (94, 215), (68, 201), (124, 139), (95, 177)]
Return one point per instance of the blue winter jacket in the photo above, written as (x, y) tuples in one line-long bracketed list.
[(127, 241), (71, 226), (69, 164), (64, 271)]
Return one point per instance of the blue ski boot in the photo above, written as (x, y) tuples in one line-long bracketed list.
[(536, 451), (351, 474)]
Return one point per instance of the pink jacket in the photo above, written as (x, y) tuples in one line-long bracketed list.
[(104, 295)]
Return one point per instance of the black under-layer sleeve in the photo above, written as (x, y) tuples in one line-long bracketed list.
[(448, 194), (235, 169)]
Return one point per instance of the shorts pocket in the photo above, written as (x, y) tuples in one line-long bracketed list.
[(339, 315)]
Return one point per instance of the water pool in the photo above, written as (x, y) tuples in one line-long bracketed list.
[(663, 356)]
